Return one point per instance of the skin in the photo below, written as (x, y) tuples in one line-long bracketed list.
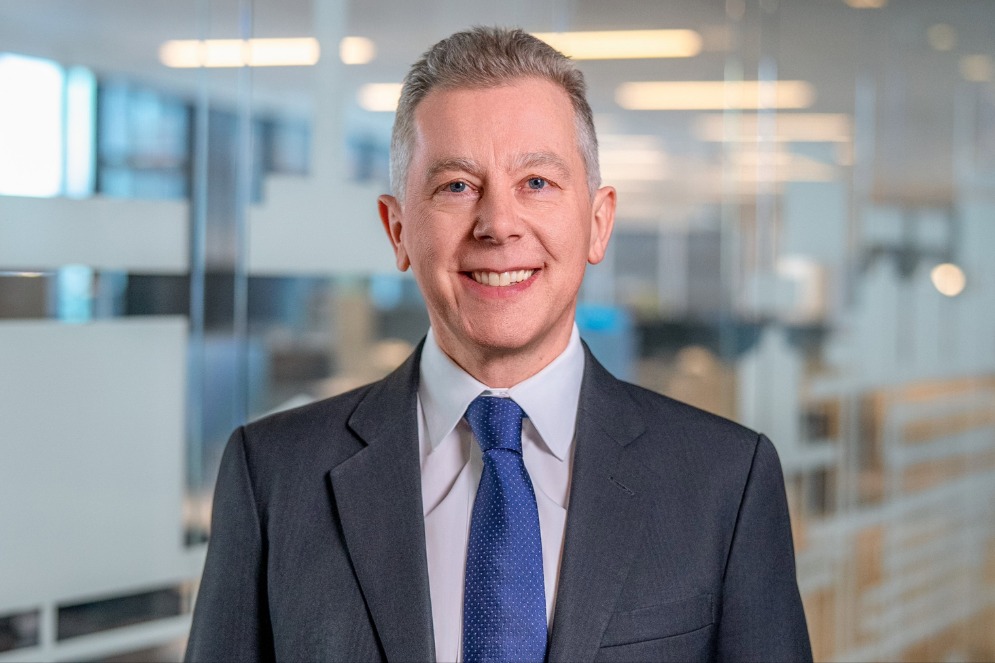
[(497, 183)]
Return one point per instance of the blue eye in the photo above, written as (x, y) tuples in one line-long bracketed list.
[(537, 183), (456, 187)]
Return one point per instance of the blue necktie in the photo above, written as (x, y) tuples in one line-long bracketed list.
[(504, 599)]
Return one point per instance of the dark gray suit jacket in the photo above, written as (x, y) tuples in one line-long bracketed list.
[(677, 545)]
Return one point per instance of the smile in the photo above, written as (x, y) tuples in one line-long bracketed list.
[(502, 279)]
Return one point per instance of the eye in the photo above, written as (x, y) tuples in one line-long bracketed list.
[(456, 187), (536, 183)]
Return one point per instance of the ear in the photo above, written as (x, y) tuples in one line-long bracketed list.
[(602, 222), (390, 216)]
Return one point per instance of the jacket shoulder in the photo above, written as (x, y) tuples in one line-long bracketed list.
[(705, 445), (672, 413), (302, 438), (304, 419)]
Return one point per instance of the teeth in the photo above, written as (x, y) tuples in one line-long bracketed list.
[(503, 278)]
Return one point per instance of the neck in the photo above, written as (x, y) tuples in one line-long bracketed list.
[(502, 368)]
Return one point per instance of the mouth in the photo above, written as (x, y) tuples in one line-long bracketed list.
[(501, 279)]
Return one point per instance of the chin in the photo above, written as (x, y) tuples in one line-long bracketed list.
[(499, 337), (501, 341)]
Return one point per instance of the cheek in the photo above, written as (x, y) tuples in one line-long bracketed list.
[(569, 241), (434, 250), (431, 253), (420, 241)]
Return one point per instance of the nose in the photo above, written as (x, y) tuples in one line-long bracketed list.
[(498, 217)]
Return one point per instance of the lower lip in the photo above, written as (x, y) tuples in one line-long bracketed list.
[(497, 291)]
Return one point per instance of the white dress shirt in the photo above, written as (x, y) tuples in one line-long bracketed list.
[(451, 464)]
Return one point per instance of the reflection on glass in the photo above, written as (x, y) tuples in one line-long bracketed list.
[(81, 111)]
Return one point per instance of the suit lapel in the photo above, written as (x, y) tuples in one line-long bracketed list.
[(604, 517), (378, 497)]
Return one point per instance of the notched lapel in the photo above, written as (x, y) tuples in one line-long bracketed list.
[(604, 518), (378, 497)]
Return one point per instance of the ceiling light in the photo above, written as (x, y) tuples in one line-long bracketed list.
[(644, 157), (379, 97), (714, 95), (786, 128), (941, 37), (948, 279), (977, 68), (867, 4), (624, 44), (357, 50), (193, 53)]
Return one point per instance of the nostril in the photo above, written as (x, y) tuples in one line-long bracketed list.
[(496, 229)]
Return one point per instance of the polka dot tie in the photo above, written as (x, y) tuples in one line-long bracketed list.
[(504, 600)]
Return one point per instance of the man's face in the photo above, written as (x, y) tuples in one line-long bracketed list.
[(497, 221)]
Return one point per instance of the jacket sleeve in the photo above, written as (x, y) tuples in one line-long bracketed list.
[(762, 617), (231, 618)]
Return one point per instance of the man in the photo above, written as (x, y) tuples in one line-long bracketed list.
[(500, 496)]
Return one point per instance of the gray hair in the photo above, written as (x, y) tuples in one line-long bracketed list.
[(487, 57)]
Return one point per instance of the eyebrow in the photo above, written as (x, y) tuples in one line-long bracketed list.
[(521, 162), (541, 159), (450, 164)]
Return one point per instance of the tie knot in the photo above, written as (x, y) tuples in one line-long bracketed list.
[(496, 422)]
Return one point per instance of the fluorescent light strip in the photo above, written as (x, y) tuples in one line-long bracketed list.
[(379, 97), (715, 95), (624, 44), (867, 4), (193, 53), (786, 127), (357, 50)]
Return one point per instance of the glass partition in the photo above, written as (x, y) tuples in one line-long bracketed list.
[(189, 240)]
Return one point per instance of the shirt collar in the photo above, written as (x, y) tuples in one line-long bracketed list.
[(549, 398)]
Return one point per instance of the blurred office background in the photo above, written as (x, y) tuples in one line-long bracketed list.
[(804, 241)]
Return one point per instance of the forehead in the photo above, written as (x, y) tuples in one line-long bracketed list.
[(523, 116)]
